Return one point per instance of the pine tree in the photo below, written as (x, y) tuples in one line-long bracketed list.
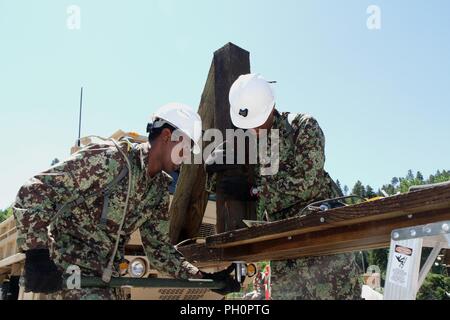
[(431, 179), (359, 190), (394, 181), (369, 192), (4, 214), (338, 184), (345, 190), (419, 176), (410, 175)]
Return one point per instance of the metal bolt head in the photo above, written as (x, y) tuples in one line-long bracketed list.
[(428, 230), (395, 235), (322, 219), (445, 227), (289, 238), (410, 216), (413, 233)]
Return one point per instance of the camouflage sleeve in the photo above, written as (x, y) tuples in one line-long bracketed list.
[(308, 171), (210, 185), (38, 201), (161, 254)]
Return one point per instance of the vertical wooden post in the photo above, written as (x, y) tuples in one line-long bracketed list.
[(190, 198), (230, 62)]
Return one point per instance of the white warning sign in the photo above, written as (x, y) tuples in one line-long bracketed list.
[(400, 265)]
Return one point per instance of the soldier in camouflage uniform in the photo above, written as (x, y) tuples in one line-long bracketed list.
[(71, 214), (300, 180)]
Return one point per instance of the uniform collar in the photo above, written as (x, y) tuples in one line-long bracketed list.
[(280, 122)]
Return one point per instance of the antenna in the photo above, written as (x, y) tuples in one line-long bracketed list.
[(79, 120)]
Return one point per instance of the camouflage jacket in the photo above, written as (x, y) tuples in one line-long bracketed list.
[(301, 178), (79, 236)]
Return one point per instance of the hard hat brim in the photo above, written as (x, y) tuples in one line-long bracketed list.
[(251, 123)]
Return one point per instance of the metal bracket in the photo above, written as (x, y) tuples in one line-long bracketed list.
[(427, 230), (404, 275)]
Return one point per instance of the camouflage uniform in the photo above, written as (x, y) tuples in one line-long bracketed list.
[(79, 236), (301, 179)]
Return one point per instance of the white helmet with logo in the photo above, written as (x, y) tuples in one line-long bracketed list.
[(251, 101), (182, 117)]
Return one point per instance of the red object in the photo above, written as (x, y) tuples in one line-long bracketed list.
[(267, 283)]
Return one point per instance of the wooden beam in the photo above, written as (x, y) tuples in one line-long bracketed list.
[(358, 227), (430, 199), (230, 62), (190, 198)]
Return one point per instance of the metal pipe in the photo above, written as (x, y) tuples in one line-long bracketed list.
[(89, 282)]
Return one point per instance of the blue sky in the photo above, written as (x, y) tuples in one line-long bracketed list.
[(382, 96)]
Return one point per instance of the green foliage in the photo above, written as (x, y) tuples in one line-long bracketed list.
[(378, 257), (435, 287), (4, 214), (358, 189), (369, 192)]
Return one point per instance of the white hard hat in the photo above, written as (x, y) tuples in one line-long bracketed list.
[(251, 101), (182, 117)]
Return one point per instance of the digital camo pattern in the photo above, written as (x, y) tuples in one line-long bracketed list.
[(301, 179), (77, 236), (89, 294)]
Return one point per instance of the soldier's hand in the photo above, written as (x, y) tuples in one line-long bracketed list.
[(41, 273), (231, 285), (221, 275)]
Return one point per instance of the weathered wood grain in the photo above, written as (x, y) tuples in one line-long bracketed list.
[(359, 227)]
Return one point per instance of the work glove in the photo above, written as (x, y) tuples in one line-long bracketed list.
[(41, 273), (231, 285)]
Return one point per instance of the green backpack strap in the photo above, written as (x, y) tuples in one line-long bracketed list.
[(107, 192)]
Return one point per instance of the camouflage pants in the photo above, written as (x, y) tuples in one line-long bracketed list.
[(316, 278), (88, 294)]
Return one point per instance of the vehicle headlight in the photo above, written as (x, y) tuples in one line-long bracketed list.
[(137, 268)]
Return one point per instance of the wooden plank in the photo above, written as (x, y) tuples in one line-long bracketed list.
[(359, 227), (189, 200), (360, 236), (433, 198), (18, 257)]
